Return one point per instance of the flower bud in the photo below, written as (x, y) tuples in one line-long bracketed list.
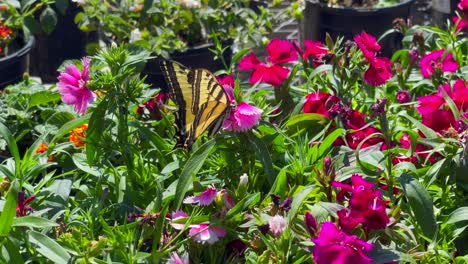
[(403, 96), (243, 180), (311, 223)]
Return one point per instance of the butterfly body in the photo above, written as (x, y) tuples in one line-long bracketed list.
[(202, 102)]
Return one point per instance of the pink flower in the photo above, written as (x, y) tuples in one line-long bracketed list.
[(204, 233), (367, 44), (175, 259), (242, 118), (380, 68), (73, 86), (379, 71), (355, 120), (333, 246), (279, 52), (434, 109), (366, 205), (460, 23), (228, 84), (434, 61), (314, 48), (320, 103), (178, 215), (277, 225), (23, 207), (463, 5), (203, 199)]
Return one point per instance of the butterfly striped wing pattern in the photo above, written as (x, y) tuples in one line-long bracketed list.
[(202, 102)]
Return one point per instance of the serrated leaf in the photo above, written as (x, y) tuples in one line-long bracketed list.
[(420, 203), (48, 247)]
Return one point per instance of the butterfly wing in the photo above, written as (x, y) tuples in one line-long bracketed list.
[(202, 102)]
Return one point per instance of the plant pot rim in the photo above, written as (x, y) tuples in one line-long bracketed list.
[(359, 9), (21, 52)]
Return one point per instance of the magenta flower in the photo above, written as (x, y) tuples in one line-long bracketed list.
[(204, 233), (320, 103), (279, 52), (73, 86), (176, 259), (314, 48), (277, 225), (460, 23), (380, 68), (367, 44), (379, 71), (435, 61), (366, 205), (463, 5), (242, 118), (434, 109), (203, 199), (23, 207), (228, 84), (333, 246)]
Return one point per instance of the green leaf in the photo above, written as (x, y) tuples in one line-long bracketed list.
[(312, 123), (297, 201), (48, 20), (239, 55), (43, 97), (9, 209), (32, 24), (264, 156), (11, 143), (243, 204), (33, 221), (69, 126), (48, 247), (62, 6), (11, 253), (429, 133), (329, 140), (459, 215), (80, 161), (421, 204), (192, 166)]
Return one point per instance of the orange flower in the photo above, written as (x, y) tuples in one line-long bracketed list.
[(5, 31), (77, 135), (41, 149)]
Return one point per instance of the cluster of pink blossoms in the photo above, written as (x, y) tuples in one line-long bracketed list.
[(336, 244), (330, 106)]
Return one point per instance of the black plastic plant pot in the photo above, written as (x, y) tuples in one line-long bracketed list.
[(320, 19), (65, 42), (194, 58), (13, 66)]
